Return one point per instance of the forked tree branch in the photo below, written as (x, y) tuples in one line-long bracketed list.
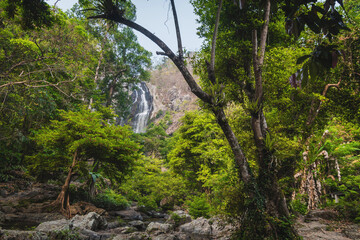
[(240, 159), (195, 88), (315, 106)]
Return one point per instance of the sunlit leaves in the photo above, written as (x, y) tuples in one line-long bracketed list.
[(89, 134)]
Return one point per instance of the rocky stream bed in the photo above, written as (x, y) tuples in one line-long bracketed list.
[(22, 217)]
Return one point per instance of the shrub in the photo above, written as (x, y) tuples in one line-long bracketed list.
[(199, 207), (110, 200), (299, 205), (147, 203)]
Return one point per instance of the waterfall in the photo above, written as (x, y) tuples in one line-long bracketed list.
[(142, 101)]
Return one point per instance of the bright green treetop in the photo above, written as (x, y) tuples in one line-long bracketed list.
[(94, 140)]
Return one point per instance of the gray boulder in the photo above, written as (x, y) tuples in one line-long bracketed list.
[(315, 215), (158, 228), (140, 225), (197, 229), (91, 221), (57, 225), (178, 218), (132, 236), (221, 229), (22, 235), (129, 214), (166, 237), (115, 224)]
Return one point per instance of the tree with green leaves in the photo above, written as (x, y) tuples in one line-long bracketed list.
[(30, 14), (77, 138), (199, 147), (121, 62), (267, 213), (41, 71)]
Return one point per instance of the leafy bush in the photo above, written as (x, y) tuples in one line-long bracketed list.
[(199, 207), (149, 184), (299, 205), (147, 203), (110, 200)]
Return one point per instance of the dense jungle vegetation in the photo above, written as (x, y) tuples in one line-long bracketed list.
[(276, 134)]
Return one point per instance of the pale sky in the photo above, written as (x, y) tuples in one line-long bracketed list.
[(156, 17)]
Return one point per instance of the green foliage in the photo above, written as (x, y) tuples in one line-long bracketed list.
[(45, 70), (148, 203), (298, 205), (110, 200), (40, 72), (30, 14), (343, 147), (198, 144), (88, 134), (152, 182), (155, 140), (122, 60), (198, 207)]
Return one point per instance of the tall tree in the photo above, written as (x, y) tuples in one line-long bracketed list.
[(40, 71), (122, 61), (75, 139), (268, 204)]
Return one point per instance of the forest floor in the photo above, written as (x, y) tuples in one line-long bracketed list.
[(322, 224), (18, 205)]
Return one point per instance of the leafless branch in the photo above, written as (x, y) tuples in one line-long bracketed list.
[(162, 53), (56, 3), (195, 88), (213, 44), (22, 63), (327, 86), (316, 105), (178, 36), (264, 33), (29, 83)]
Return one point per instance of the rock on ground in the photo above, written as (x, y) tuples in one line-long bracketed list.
[(197, 229), (318, 224), (158, 228), (129, 214), (91, 221)]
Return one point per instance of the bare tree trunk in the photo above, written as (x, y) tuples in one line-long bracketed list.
[(268, 183), (63, 199)]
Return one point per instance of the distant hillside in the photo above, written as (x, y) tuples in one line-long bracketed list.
[(170, 93)]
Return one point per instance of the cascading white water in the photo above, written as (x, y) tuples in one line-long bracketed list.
[(143, 100)]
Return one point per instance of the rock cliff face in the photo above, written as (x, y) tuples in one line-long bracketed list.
[(166, 91), (170, 93)]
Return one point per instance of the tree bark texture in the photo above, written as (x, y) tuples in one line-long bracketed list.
[(63, 199), (275, 202)]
